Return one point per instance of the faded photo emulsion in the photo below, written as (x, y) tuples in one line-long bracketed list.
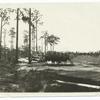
[(50, 48)]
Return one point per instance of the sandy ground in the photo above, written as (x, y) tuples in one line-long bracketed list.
[(77, 67), (79, 70)]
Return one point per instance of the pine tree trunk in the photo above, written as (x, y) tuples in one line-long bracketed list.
[(1, 39), (42, 45), (4, 38), (45, 46), (33, 39), (36, 37), (29, 35), (17, 25)]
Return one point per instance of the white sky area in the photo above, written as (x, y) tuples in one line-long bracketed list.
[(77, 25)]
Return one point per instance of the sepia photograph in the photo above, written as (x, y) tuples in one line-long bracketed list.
[(50, 48)]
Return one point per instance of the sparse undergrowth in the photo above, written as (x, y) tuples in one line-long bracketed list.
[(12, 80)]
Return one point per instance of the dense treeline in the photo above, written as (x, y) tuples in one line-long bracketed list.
[(60, 57), (86, 53)]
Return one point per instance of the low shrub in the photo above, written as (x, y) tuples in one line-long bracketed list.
[(58, 57)]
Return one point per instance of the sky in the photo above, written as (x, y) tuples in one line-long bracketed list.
[(77, 25)]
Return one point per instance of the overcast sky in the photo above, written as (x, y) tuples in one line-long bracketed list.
[(77, 25)]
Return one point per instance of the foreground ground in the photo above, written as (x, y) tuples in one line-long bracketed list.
[(39, 78)]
